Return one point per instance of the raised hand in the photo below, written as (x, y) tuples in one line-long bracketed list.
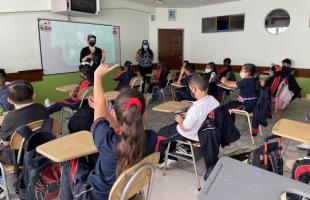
[(103, 69)]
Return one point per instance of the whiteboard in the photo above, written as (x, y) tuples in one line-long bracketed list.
[(61, 43)]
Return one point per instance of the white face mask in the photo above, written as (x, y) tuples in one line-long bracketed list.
[(207, 70), (242, 75)]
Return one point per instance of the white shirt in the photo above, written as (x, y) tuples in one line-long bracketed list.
[(196, 115)]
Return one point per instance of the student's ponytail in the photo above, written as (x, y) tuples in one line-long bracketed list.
[(129, 108)]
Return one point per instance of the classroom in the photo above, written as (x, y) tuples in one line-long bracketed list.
[(154, 99)]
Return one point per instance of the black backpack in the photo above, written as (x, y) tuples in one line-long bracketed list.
[(301, 172), (40, 177), (268, 156)]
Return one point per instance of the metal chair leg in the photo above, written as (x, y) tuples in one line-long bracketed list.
[(260, 130), (250, 127), (5, 187), (166, 158), (195, 166)]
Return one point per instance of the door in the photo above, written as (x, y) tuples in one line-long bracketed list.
[(170, 47)]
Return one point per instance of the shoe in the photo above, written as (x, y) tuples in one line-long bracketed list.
[(304, 146), (170, 163), (47, 103)]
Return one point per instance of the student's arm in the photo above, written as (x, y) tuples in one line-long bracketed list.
[(228, 83), (103, 55), (100, 101), (181, 75), (179, 119)]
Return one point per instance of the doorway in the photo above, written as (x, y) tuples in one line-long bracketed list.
[(170, 47)]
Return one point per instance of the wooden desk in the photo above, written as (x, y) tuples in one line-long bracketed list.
[(225, 87), (67, 88), (2, 117), (177, 85), (293, 130), (68, 147), (112, 95), (266, 72), (172, 106), (308, 96)]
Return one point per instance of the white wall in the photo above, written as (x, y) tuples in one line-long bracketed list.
[(19, 39), (254, 44)]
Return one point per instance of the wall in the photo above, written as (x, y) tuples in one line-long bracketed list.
[(253, 44), (19, 29)]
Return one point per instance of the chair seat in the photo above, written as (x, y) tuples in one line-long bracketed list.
[(195, 144), (241, 112)]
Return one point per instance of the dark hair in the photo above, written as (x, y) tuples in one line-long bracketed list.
[(186, 62), (85, 70), (2, 71), (227, 60), (128, 64), (2, 79), (200, 81), (20, 92), (213, 66), (287, 61), (91, 36), (190, 68), (131, 148), (148, 48), (164, 67), (250, 68)]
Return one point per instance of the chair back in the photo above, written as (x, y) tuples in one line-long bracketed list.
[(133, 180), (135, 82), (84, 94)]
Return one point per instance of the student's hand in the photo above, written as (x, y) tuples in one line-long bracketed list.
[(179, 119), (103, 69), (224, 80), (91, 101)]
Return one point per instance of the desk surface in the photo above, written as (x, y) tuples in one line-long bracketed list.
[(68, 147), (225, 87), (172, 106), (112, 95), (67, 88), (293, 130), (177, 85)]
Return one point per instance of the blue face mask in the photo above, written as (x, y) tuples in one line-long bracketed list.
[(145, 46)]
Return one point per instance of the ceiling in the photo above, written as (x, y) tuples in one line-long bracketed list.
[(180, 3)]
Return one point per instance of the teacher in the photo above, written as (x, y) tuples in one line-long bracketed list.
[(91, 53), (145, 58)]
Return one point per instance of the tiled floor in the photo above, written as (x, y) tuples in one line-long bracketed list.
[(179, 183)]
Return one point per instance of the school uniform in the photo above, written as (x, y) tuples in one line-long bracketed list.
[(248, 95), (161, 77), (72, 102), (4, 104), (212, 89), (194, 118), (184, 93), (98, 183), (97, 56), (123, 77), (19, 117)]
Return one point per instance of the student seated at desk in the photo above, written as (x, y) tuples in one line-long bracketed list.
[(248, 89), (124, 76), (160, 77), (211, 75), (184, 93), (21, 95), (187, 128), (4, 104), (119, 136), (227, 70), (74, 101)]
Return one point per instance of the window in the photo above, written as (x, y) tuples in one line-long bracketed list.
[(223, 23)]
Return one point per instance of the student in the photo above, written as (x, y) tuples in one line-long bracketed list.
[(184, 93), (21, 95), (211, 75), (4, 104), (160, 77), (287, 73), (185, 62), (119, 137), (227, 70), (248, 88), (74, 101), (124, 76), (187, 128)]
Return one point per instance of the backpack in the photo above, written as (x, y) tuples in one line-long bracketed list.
[(268, 156), (285, 96), (40, 176), (301, 172)]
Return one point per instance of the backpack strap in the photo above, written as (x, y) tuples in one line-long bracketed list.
[(47, 125), (25, 131)]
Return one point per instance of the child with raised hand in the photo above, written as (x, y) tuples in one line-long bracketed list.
[(248, 88), (119, 136)]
